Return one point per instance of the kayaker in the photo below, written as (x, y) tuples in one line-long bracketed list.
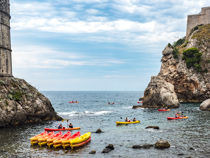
[(108, 102), (72, 101), (59, 126), (134, 119), (70, 125), (126, 119), (76, 101)]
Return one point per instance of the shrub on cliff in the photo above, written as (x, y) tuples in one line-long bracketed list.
[(175, 53), (179, 42), (192, 58)]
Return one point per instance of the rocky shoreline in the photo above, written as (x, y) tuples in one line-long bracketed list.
[(21, 103)]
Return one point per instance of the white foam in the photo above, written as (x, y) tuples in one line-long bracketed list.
[(87, 113)]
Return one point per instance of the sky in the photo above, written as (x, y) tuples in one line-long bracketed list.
[(94, 45)]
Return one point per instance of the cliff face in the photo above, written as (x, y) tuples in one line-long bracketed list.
[(20, 103), (189, 84)]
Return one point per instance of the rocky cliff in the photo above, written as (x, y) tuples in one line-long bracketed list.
[(186, 69), (21, 103)]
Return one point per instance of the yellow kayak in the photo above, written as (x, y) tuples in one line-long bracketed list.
[(125, 123), (34, 142), (81, 139), (57, 145)]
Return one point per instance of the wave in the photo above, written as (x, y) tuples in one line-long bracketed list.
[(87, 113)]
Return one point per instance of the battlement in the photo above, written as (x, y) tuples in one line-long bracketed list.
[(197, 19)]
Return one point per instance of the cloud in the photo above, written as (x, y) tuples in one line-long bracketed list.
[(31, 57)]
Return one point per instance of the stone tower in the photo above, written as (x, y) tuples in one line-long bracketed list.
[(5, 41), (197, 19)]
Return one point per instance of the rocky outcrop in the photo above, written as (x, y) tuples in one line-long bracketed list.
[(205, 105), (20, 103), (189, 84), (161, 144), (159, 93), (154, 127)]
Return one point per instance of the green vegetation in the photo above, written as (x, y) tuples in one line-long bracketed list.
[(192, 58), (179, 42), (208, 61), (203, 32), (169, 45), (17, 96), (175, 53)]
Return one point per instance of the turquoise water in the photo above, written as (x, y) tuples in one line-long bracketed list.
[(92, 113)]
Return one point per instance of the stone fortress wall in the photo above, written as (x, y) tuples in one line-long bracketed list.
[(5, 41), (202, 18)]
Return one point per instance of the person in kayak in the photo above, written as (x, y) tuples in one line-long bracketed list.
[(72, 101), (134, 119), (108, 102), (59, 126), (126, 119), (70, 125)]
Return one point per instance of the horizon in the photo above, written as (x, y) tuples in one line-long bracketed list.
[(91, 45)]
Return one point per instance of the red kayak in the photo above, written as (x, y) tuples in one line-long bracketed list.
[(63, 129), (139, 101), (163, 110), (174, 118), (73, 102)]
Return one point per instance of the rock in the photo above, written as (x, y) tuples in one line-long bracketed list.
[(205, 105), (92, 152), (167, 51), (159, 93), (137, 106), (99, 131), (181, 154), (21, 104), (154, 127), (191, 148), (145, 146), (161, 144), (110, 146), (106, 150), (142, 98)]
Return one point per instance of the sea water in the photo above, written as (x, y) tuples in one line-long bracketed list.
[(189, 137)]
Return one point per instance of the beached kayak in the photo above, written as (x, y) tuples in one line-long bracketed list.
[(58, 141), (80, 144), (52, 138), (163, 110), (63, 129), (66, 143), (122, 123), (81, 139), (43, 140), (35, 138), (73, 102), (174, 118)]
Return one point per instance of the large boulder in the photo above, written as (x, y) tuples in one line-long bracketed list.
[(161, 144), (159, 93), (205, 105), (21, 103)]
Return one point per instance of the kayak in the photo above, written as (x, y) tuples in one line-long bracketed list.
[(34, 142), (52, 138), (174, 118), (122, 123), (81, 139), (80, 144), (163, 110), (66, 143), (73, 102), (43, 140), (139, 101), (58, 141), (63, 129), (35, 138), (75, 135)]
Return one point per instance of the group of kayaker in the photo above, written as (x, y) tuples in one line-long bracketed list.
[(110, 103), (73, 101), (178, 114), (162, 108), (126, 120), (60, 126)]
